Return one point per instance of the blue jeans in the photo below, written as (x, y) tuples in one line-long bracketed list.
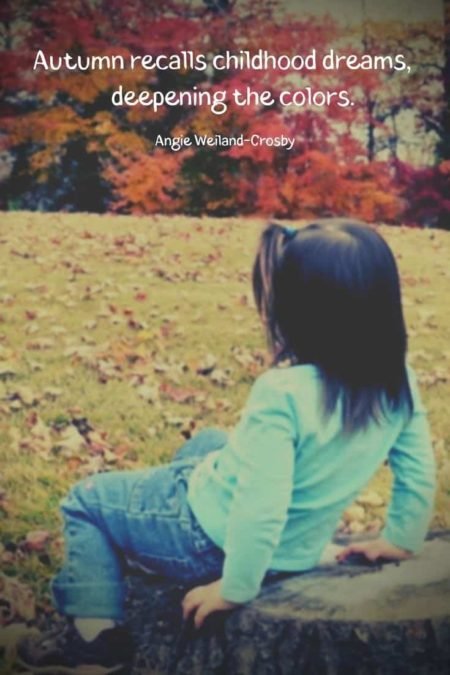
[(141, 516)]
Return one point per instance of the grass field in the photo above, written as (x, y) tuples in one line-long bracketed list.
[(120, 335)]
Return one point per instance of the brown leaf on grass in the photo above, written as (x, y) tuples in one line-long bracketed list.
[(32, 329), (222, 404), (73, 464), (16, 601), (144, 336), (7, 300), (98, 443), (123, 449), (431, 378), (140, 296), (9, 639), (34, 366), (178, 421), (70, 442), (52, 393), (97, 453), (221, 378), (173, 370), (25, 394), (6, 354), (148, 394), (416, 355), (167, 329), (374, 526), (353, 513), (245, 300), (370, 498), (135, 324), (355, 527), (3, 500), (181, 395), (58, 330), (427, 317), (81, 352), (8, 369), (39, 439), (37, 540), (41, 344), (207, 365), (252, 360)]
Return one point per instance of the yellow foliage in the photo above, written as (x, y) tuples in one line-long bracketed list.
[(48, 126)]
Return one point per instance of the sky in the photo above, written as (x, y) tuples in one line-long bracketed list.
[(349, 11)]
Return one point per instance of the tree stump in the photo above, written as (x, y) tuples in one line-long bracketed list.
[(335, 620)]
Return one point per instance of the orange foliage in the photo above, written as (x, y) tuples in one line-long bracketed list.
[(329, 170), (146, 183)]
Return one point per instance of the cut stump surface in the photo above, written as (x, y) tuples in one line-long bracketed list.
[(335, 620)]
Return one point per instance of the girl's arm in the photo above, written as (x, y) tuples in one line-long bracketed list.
[(263, 441), (413, 465)]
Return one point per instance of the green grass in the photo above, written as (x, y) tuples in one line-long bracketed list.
[(98, 307)]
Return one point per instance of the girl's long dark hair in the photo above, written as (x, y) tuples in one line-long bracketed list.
[(329, 295)]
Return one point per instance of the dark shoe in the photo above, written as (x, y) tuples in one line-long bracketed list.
[(64, 652)]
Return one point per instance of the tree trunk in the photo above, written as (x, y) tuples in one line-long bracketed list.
[(444, 143), (335, 620)]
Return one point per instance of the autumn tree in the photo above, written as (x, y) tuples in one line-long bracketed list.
[(69, 148)]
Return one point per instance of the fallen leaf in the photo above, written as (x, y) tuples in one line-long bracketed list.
[(221, 378), (370, 498), (10, 636), (181, 395), (41, 344), (26, 395), (140, 296), (71, 442), (354, 513), (37, 540), (52, 393), (17, 601), (147, 393), (207, 365), (7, 369)]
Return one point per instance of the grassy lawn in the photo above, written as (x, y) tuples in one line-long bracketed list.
[(121, 335)]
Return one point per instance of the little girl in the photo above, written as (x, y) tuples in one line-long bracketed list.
[(268, 497)]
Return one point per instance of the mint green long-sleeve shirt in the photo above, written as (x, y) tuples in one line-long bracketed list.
[(272, 497)]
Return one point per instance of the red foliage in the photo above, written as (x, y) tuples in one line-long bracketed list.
[(328, 171), (426, 194)]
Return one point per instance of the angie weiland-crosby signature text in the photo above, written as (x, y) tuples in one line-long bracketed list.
[(176, 143)]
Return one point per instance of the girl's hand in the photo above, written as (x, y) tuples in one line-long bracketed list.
[(204, 600), (374, 550)]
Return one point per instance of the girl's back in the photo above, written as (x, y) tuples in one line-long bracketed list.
[(273, 496), (314, 433)]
